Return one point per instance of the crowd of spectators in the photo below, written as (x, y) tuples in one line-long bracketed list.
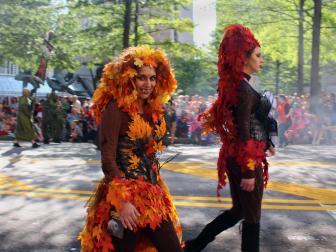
[(183, 125), (8, 110), (302, 123), (298, 121), (79, 124)]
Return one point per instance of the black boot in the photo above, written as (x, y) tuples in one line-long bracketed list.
[(17, 145), (208, 234), (35, 145), (250, 237)]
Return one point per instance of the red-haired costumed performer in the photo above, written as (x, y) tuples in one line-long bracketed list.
[(132, 209), (237, 117)]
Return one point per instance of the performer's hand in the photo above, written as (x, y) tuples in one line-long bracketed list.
[(129, 215), (271, 151), (247, 184)]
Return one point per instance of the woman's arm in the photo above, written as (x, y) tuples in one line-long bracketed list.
[(243, 114), (109, 135), (244, 111)]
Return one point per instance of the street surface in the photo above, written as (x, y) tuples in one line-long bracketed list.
[(43, 193)]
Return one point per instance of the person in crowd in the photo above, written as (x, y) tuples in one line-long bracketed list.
[(59, 121), (132, 209), (49, 107), (294, 133), (74, 115), (236, 116), (38, 128), (24, 122), (76, 104), (5, 107), (66, 106), (170, 117), (38, 109), (284, 119), (180, 105), (195, 129), (14, 106), (90, 132), (52, 119), (76, 131), (202, 106), (182, 127), (321, 120), (5, 127)]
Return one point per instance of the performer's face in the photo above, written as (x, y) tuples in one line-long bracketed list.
[(145, 82), (254, 62)]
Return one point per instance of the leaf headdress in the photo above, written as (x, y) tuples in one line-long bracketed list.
[(118, 82)]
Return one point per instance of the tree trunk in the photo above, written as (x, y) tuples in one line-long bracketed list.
[(277, 77), (136, 23), (127, 22), (93, 79), (300, 50), (175, 31), (315, 89)]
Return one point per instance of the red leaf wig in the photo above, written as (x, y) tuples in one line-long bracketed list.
[(237, 44)]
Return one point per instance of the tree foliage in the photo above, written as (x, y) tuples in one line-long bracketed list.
[(91, 32), (82, 29), (23, 26), (275, 23), (196, 72)]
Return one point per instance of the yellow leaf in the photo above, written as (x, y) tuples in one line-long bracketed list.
[(161, 129), (139, 129), (96, 232), (251, 164), (138, 62), (134, 160), (158, 146)]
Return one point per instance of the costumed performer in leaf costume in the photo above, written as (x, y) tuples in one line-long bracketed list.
[(238, 117), (132, 209)]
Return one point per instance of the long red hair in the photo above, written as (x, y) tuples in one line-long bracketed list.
[(236, 46)]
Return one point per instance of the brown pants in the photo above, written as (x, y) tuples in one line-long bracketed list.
[(246, 205), (164, 238)]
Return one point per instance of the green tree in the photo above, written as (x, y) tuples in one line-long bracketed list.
[(87, 32), (196, 72), (97, 28), (300, 64), (149, 22), (127, 22), (92, 31), (285, 31), (23, 26), (315, 85)]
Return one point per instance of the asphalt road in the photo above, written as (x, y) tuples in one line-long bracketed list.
[(43, 193)]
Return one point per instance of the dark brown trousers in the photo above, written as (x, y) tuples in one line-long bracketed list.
[(164, 239), (246, 205)]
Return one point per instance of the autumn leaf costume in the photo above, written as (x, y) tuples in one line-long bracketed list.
[(235, 118), (129, 143)]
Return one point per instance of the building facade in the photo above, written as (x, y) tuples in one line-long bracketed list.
[(9, 69)]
